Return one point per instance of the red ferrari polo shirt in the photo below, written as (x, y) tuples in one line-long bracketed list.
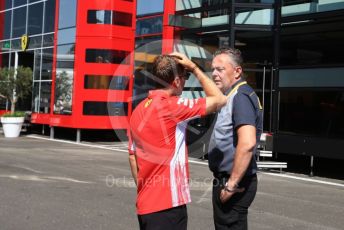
[(157, 137)]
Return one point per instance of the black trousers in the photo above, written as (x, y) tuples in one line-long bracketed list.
[(233, 214), (169, 219)]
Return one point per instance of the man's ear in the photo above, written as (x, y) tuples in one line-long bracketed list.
[(176, 82), (238, 70)]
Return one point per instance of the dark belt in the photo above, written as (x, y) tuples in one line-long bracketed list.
[(221, 175)]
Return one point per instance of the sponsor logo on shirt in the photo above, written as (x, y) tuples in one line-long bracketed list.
[(187, 102)]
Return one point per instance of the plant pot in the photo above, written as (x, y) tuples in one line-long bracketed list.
[(12, 126)]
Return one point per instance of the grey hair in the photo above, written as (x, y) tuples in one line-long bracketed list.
[(234, 55)]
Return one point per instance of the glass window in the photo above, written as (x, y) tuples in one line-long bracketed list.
[(314, 77), (5, 31), (35, 97), (66, 36), (149, 6), (147, 48), (4, 60), (312, 44), (106, 82), (292, 7), (3, 104), (105, 108), (44, 102), (256, 46), (35, 42), (149, 26), (33, 1), (37, 64), (68, 50), (99, 17), (47, 63), (109, 17), (35, 19), (121, 18), (49, 16), (187, 4), (151, 45), (48, 40), (253, 16), (16, 44), (310, 112), (67, 13), (7, 4), (19, 2), (63, 92), (107, 56), (19, 22), (64, 79), (12, 56)]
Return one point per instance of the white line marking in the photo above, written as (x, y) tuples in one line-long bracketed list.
[(192, 161), (44, 178), (305, 179), (27, 168), (198, 162), (75, 143)]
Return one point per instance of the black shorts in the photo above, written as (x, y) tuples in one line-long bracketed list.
[(169, 219)]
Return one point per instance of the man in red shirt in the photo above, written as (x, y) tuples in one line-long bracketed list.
[(157, 150)]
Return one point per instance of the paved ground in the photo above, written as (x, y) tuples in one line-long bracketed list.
[(55, 185)]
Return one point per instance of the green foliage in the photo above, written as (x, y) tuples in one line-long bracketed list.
[(15, 114), (63, 85), (21, 84)]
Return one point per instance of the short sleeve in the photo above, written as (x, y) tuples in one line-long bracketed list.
[(131, 144), (184, 108), (244, 112)]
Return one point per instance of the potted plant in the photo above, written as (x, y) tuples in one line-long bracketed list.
[(14, 84)]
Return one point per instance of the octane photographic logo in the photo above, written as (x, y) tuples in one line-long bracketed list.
[(144, 80)]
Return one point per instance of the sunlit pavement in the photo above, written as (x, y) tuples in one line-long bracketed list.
[(59, 185)]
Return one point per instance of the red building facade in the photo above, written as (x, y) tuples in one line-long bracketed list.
[(101, 86)]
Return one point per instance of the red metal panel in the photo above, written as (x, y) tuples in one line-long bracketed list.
[(168, 31), (3, 112), (105, 95), (106, 31), (39, 118), (108, 37), (107, 69), (118, 5), (94, 36)]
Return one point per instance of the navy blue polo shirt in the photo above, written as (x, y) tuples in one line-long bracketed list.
[(242, 108)]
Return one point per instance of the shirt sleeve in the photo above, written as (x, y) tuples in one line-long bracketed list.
[(131, 144), (244, 112), (184, 108)]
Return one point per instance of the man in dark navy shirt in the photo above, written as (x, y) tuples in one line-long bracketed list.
[(232, 145)]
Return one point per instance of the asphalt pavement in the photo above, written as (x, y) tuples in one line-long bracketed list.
[(48, 184)]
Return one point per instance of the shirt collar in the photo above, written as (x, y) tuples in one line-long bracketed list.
[(158, 93), (233, 86)]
